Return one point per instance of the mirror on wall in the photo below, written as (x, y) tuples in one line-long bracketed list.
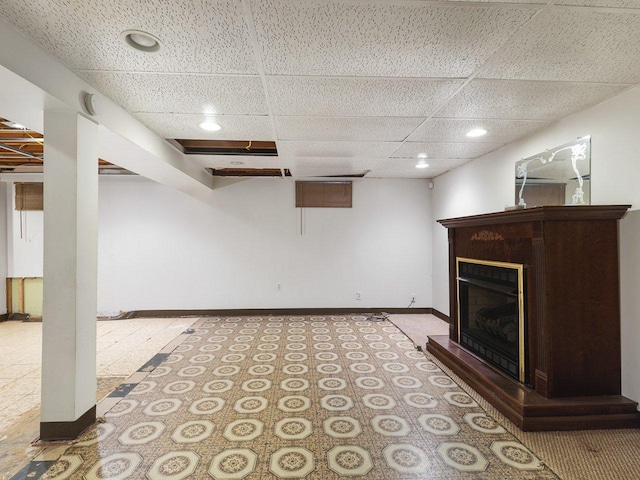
[(558, 176)]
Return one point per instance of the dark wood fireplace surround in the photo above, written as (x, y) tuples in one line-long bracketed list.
[(572, 316)]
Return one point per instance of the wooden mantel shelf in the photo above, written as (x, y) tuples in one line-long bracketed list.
[(572, 310), (551, 213)]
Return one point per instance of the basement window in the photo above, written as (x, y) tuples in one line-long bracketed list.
[(29, 196), (330, 194)]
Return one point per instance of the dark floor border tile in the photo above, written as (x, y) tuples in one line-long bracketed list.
[(33, 470), (122, 390), (152, 363)]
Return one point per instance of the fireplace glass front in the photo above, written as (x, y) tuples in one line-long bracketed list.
[(491, 313)]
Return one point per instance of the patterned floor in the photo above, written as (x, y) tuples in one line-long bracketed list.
[(319, 397)]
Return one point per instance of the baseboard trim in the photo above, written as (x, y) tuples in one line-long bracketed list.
[(440, 315), (52, 431), (241, 312), (262, 311)]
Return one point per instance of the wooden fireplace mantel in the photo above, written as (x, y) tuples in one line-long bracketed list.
[(550, 213), (570, 254)]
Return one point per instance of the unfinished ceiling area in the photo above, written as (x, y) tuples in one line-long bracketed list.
[(22, 151), (346, 87), (20, 148)]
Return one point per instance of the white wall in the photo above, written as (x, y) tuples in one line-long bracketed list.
[(159, 249), (487, 185), (3, 248)]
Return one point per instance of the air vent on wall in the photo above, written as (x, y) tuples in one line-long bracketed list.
[(248, 172), (228, 147)]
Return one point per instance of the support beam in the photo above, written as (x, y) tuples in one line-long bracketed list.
[(70, 275)]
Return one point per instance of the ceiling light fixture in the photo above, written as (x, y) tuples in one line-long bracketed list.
[(141, 41), (422, 155), (237, 163), (476, 132), (422, 165), (210, 126)]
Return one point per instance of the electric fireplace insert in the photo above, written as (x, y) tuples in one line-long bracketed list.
[(492, 317)]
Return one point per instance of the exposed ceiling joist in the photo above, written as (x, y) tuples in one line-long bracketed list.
[(20, 151)]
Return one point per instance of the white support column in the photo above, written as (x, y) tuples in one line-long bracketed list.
[(70, 275)]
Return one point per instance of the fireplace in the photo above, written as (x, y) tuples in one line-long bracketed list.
[(555, 270), (491, 313)]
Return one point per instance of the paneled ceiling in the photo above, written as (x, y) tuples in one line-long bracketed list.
[(346, 86)]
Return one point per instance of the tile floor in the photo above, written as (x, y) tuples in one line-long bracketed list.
[(122, 345), (321, 397)]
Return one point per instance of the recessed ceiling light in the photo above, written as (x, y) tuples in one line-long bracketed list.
[(476, 132), (141, 41), (422, 155), (237, 163), (422, 165), (210, 126)]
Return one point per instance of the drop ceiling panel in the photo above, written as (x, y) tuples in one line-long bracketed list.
[(234, 127), (601, 3), (406, 168), (455, 130), (384, 129), (175, 93), (381, 39), (337, 149), (313, 167), (347, 80), (358, 96), (197, 35), (601, 47), (511, 99), (445, 150)]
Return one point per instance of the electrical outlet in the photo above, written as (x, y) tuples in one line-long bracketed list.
[(413, 297), (279, 287), (358, 296)]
